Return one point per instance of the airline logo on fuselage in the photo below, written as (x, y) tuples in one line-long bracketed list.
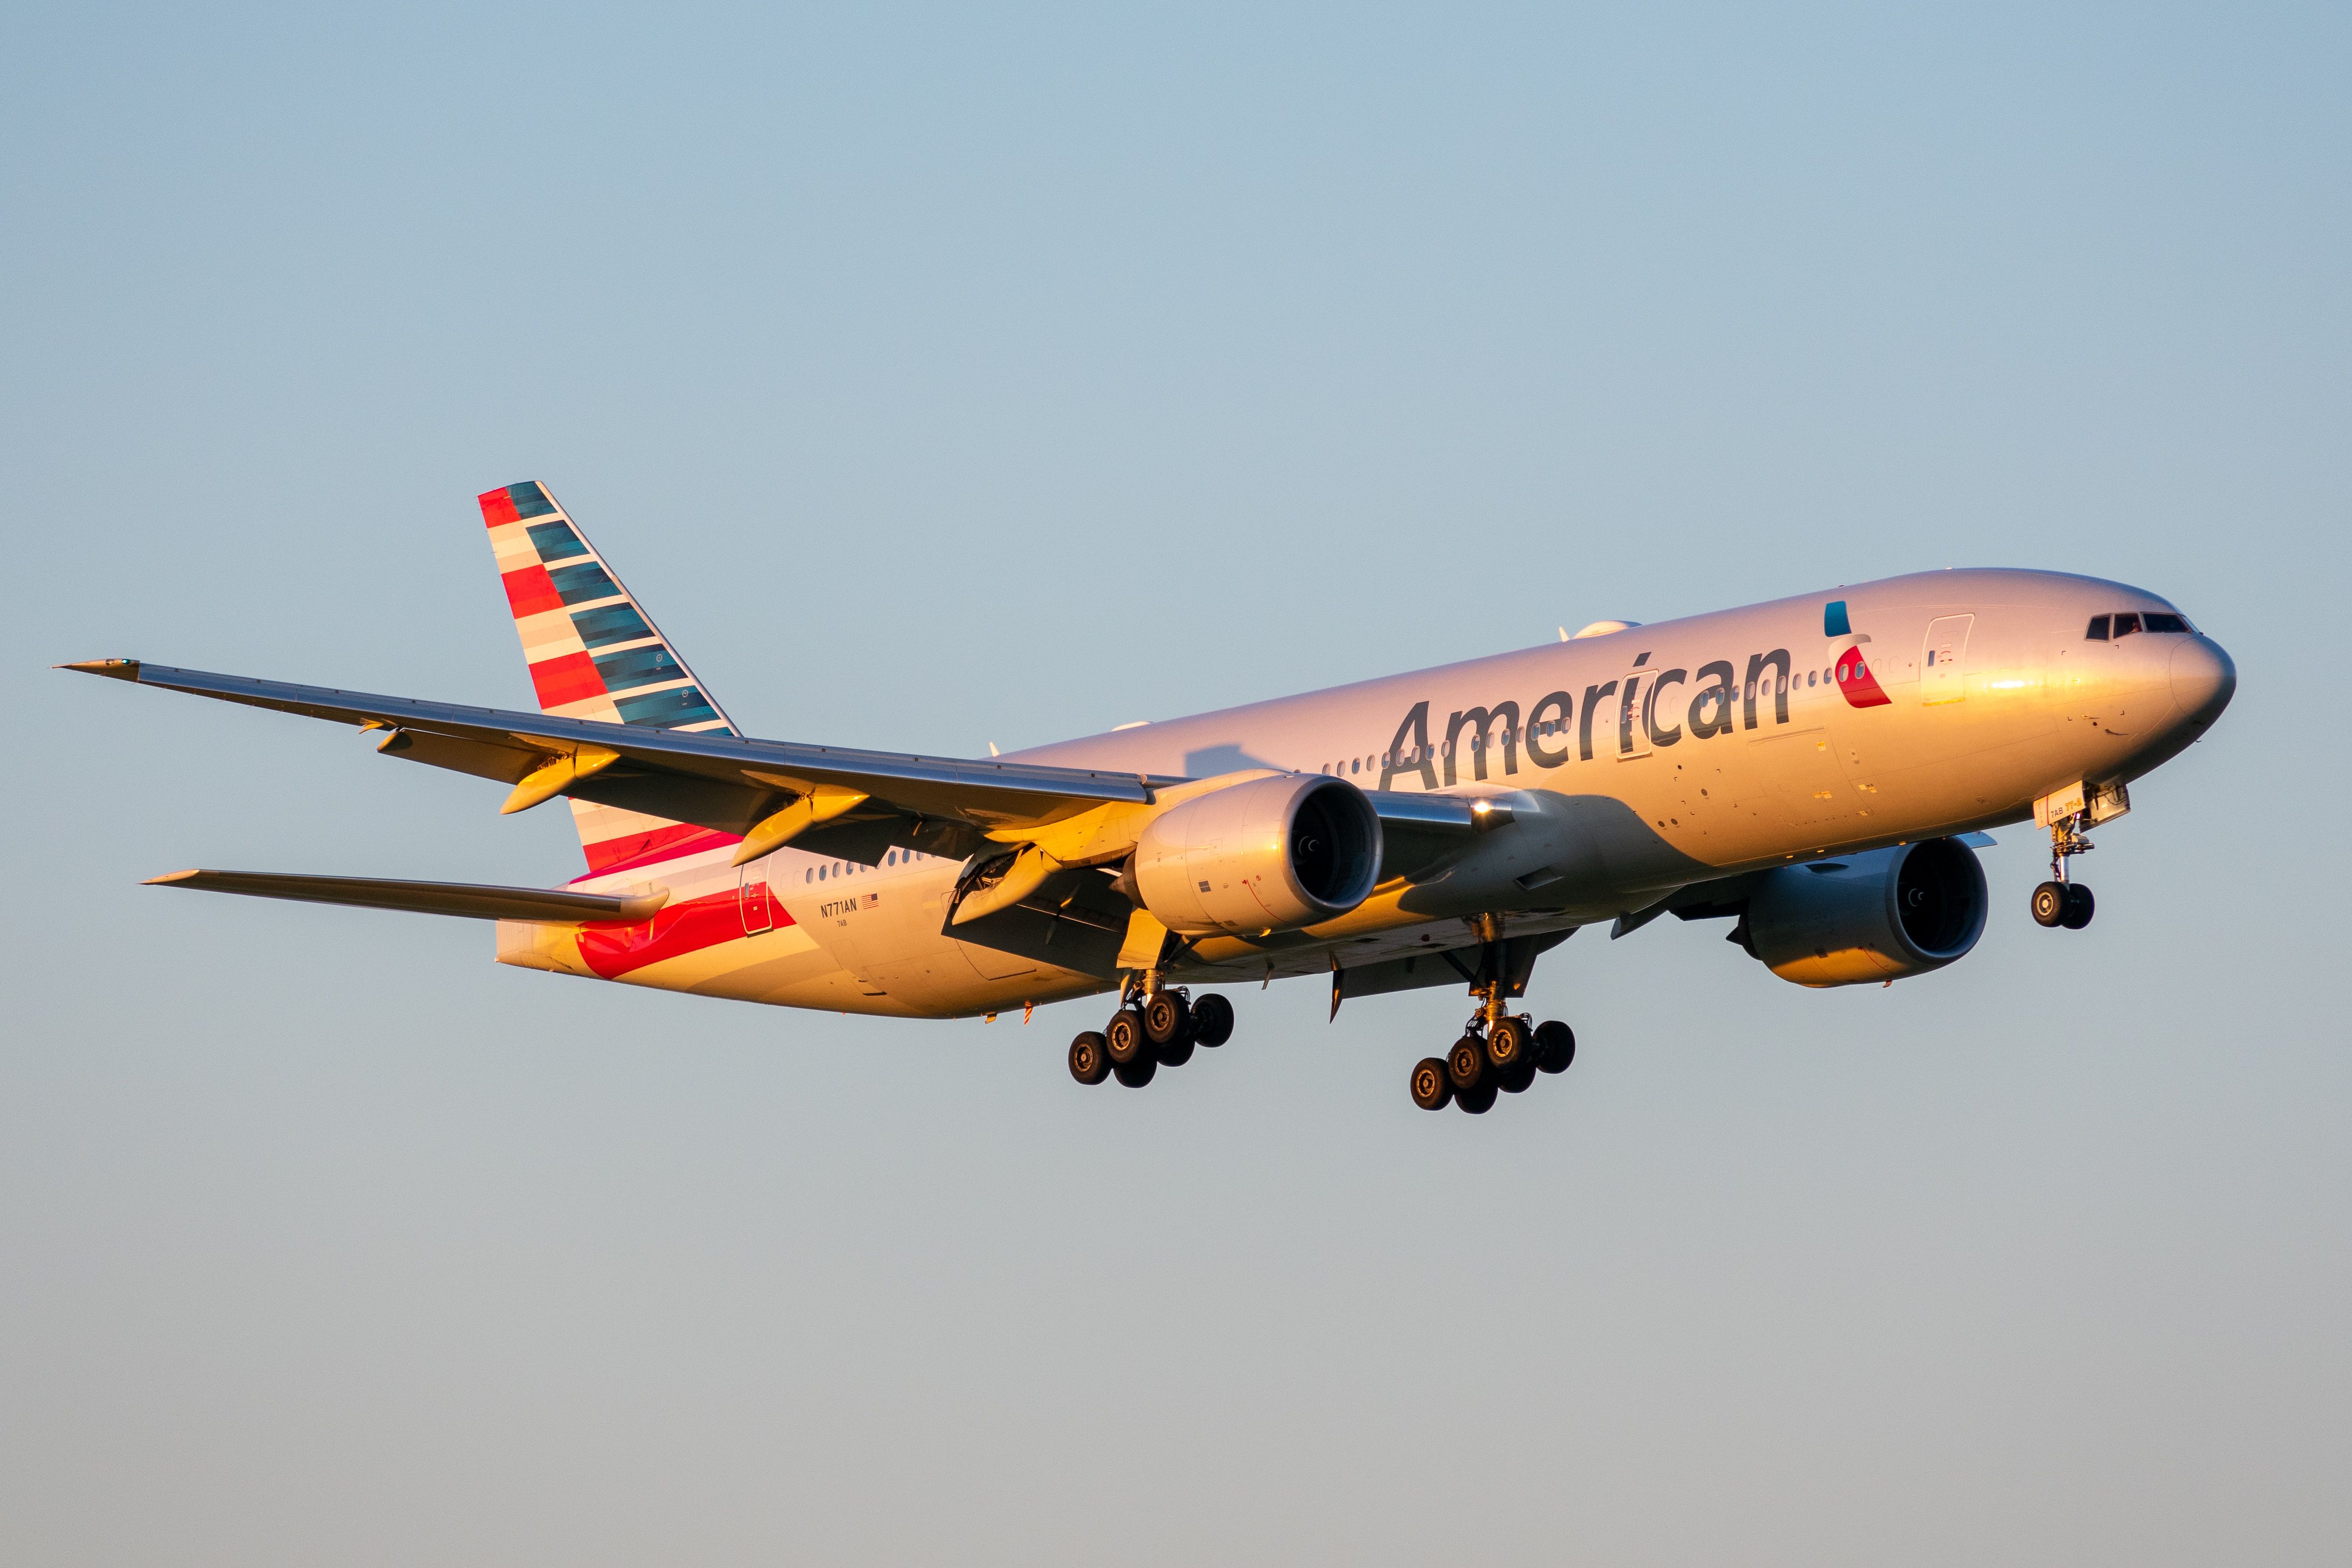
[(1651, 710)]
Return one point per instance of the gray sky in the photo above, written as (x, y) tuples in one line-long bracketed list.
[(943, 379)]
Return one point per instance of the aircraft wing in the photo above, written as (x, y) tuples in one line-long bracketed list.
[(721, 781)]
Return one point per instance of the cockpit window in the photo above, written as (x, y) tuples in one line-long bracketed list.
[(2127, 624), (2098, 632), (2155, 621)]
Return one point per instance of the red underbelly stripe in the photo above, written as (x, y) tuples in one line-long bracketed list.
[(612, 949)]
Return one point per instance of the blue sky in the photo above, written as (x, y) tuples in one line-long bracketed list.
[(948, 378)]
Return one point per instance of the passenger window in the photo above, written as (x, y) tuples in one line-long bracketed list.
[(2098, 630), (1811, 677), (2155, 623), (2125, 625)]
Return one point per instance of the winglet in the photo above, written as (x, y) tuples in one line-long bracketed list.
[(119, 669)]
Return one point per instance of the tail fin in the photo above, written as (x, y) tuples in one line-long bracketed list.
[(593, 654)]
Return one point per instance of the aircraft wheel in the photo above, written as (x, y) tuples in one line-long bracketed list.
[(1509, 1043), (2050, 903), (1166, 1019), (1466, 1064), (1431, 1088), (1555, 1046), (1174, 1055), (1124, 1039), (1478, 1101), (1514, 1079), (1137, 1073), (1089, 1062), (1213, 1019), (2079, 905)]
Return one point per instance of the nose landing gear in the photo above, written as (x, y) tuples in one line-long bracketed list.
[(2062, 901)]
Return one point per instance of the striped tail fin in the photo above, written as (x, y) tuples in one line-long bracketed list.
[(595, 654)]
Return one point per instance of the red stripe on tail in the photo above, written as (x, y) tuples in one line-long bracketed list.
[(529, 591), (498, 507), (566, 678)]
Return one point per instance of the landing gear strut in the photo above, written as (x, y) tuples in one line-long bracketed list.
[(2062, 901), (1156, 1025), (1499, 1053)]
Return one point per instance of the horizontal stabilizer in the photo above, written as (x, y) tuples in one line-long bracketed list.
[(543, 904)]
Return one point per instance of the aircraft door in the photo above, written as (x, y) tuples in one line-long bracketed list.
[(1943, 659), (753, 897)]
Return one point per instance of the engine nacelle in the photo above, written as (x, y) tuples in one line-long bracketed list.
[(1272, 854), (1869, 917)]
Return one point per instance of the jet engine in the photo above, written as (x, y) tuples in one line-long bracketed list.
[(1876, 916), (1272, 854)]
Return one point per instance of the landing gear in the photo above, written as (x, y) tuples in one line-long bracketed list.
[(1124, 1039), (1503, 1057), (1466, 1064), (1499, 1053), (1155, 1027), (1167, 1018), (1510, 1042), (2061, 901), (1089, 1062)]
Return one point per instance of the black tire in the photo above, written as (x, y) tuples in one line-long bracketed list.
[(1466, 1064), (1213, 1019), (1166, 1019), (2080, 906), (1478, 1101), (1137, 1073), (1514, 1079), (1123, 1037), (1555, 1046), (1175, 1055), (1509, 1043), (1089, 1062), (1431, 1088), (2050, 903)]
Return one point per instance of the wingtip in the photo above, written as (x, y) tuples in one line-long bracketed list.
[(169, 877), (119, 669)]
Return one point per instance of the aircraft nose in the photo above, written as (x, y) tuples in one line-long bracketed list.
[(2203, 679)]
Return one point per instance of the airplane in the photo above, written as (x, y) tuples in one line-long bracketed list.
[(1819, 770)]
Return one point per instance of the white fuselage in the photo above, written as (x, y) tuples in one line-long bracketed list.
[(1634, 763)]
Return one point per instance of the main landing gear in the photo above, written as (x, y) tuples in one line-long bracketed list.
[(2060, 900), (1498, 1053), (1500, 1057), (1150, 1031)]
